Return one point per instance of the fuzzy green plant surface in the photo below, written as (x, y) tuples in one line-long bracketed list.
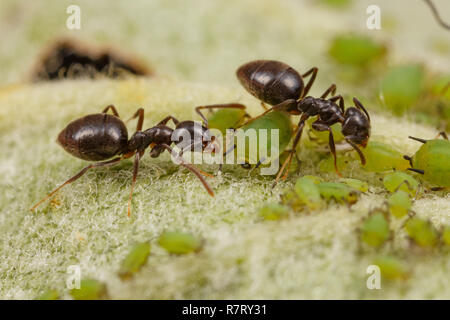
[(194, 47), (242, 256)]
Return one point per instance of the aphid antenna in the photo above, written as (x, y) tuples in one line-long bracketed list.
[(437, 15), (418, 139)]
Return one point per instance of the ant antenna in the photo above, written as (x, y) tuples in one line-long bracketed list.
[(436, 15)]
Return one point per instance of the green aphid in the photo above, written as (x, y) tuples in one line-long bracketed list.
[(446, 236), (224, 119), (399, 204), (402, 87), (50, 294), (375, 229), (356, 184), (422, 232), (308, 193), (381, 157), (90, 289), (356, 50), (432, 161), (400, 181), (314, 179), (340, 192), (327, 164), (391, 268), (274, 211), (275, 120), (135, 259), (179, 242)]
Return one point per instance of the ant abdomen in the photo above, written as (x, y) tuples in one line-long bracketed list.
[(94, 137), (271, 81)]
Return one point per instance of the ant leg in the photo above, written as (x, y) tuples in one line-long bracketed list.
[(192, 168), (443, 135), (357, 149), (140, 115), (283, 106), (113, 109), (331, 89), (288, 160), (78, 175), (359, 105), (137, 157), (166, 119), (320, 126), (313, 72), (341, 102), (218, 106), (263, 105), (191, 147)]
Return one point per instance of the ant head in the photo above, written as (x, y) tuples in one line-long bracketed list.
[(356, 126)]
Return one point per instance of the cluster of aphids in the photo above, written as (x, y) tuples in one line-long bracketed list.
[(102, 136), (376, 229), (173, 242)]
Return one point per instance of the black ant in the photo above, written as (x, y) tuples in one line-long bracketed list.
[(282, 87), (101, 136)]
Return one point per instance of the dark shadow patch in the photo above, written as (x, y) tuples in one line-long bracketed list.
[(70, 59)]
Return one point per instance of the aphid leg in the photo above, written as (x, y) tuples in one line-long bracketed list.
[(313, 72), (137, 157), (409, 159), (438, 188), (287, 162), (140, 115), (354, 146), (166, 119), (320, 126), (417, 170), (331, 89), (78, 175), (418, 139), (359, 105), (113, 110), (408, 185), (218, 106), (191, 168), (443, 135)]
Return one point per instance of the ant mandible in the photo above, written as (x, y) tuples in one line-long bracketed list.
[(282, 87), (101, 136)]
